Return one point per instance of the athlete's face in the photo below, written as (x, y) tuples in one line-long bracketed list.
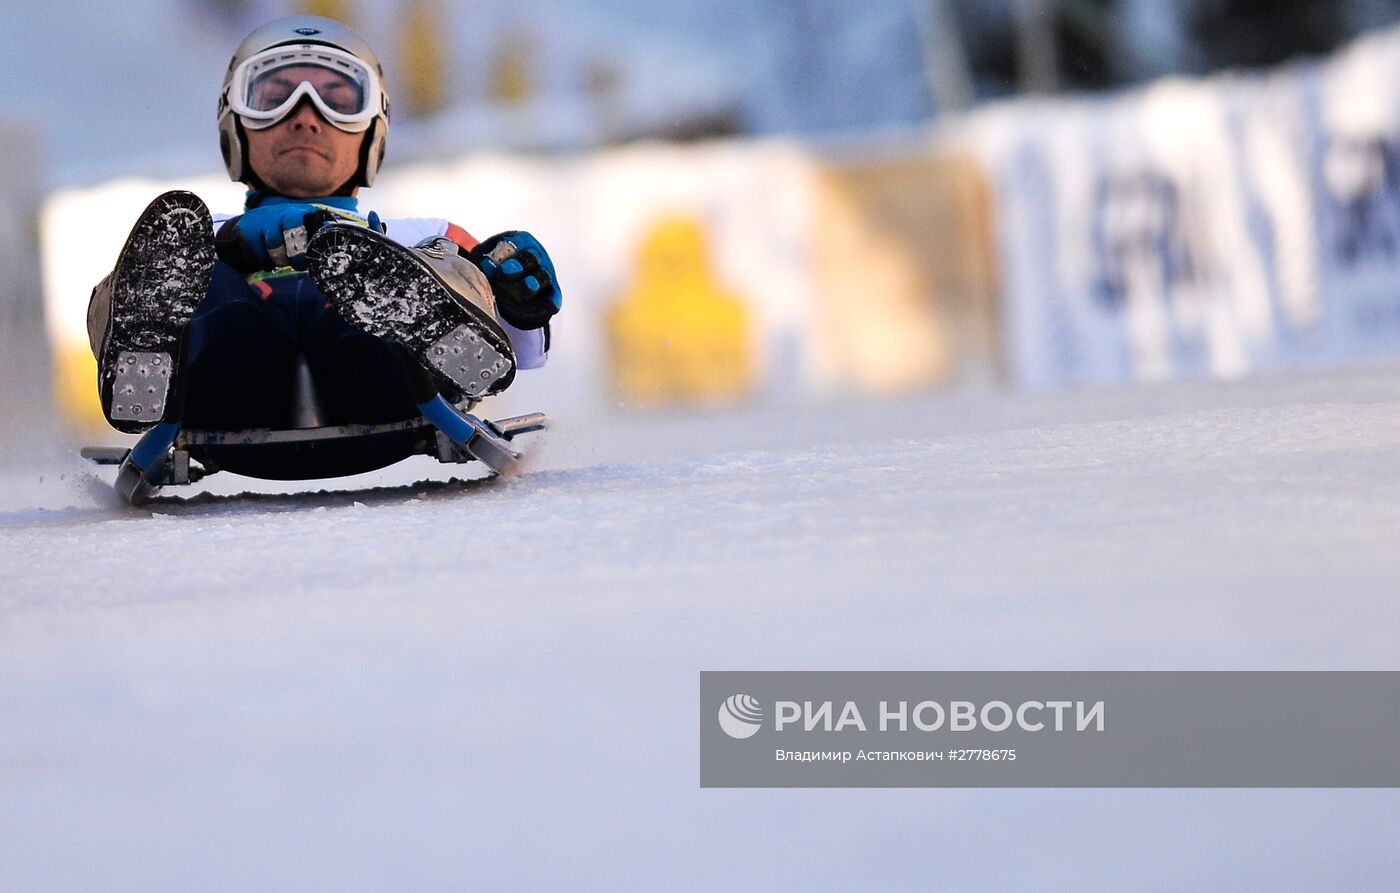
[(303, 156)]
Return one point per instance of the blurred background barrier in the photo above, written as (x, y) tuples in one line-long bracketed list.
[(26, 405), (1206, 227), (903, 256)]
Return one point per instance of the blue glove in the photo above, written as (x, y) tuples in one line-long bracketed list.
[(264, 228), (521, 276)]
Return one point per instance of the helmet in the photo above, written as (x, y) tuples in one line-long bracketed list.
[(308, 36)]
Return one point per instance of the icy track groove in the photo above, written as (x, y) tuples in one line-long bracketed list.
[(475, 686)]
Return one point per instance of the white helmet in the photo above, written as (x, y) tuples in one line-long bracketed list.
[(350, 96)]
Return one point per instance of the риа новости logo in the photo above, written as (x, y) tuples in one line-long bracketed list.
[(740, 716)]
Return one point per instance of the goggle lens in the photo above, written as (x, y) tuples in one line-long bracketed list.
[(338, 90)]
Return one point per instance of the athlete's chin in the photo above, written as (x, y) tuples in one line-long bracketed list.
[(305, 181)]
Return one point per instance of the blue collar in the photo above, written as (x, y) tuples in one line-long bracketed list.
[(256, 199)]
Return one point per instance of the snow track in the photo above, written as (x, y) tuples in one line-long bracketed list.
[(467, 685)]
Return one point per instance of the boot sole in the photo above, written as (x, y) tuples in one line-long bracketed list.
[(383, 288), (162, 274)]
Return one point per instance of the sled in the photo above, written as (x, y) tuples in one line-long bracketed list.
[(169, 456)]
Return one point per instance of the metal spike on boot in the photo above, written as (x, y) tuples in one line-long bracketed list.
[(428, 300), (140, 311)]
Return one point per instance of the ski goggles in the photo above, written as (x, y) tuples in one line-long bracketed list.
[(266, 87)]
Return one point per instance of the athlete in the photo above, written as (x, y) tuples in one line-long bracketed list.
[(208, 321)]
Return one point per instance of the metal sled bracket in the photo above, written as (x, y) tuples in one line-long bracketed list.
[(490, 445)]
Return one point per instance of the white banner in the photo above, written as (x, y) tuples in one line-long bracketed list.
[(1201, 227)]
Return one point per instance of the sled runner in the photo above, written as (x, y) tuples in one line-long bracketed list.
[(169, 456)]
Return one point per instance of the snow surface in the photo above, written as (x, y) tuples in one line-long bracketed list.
[(494, 686)]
